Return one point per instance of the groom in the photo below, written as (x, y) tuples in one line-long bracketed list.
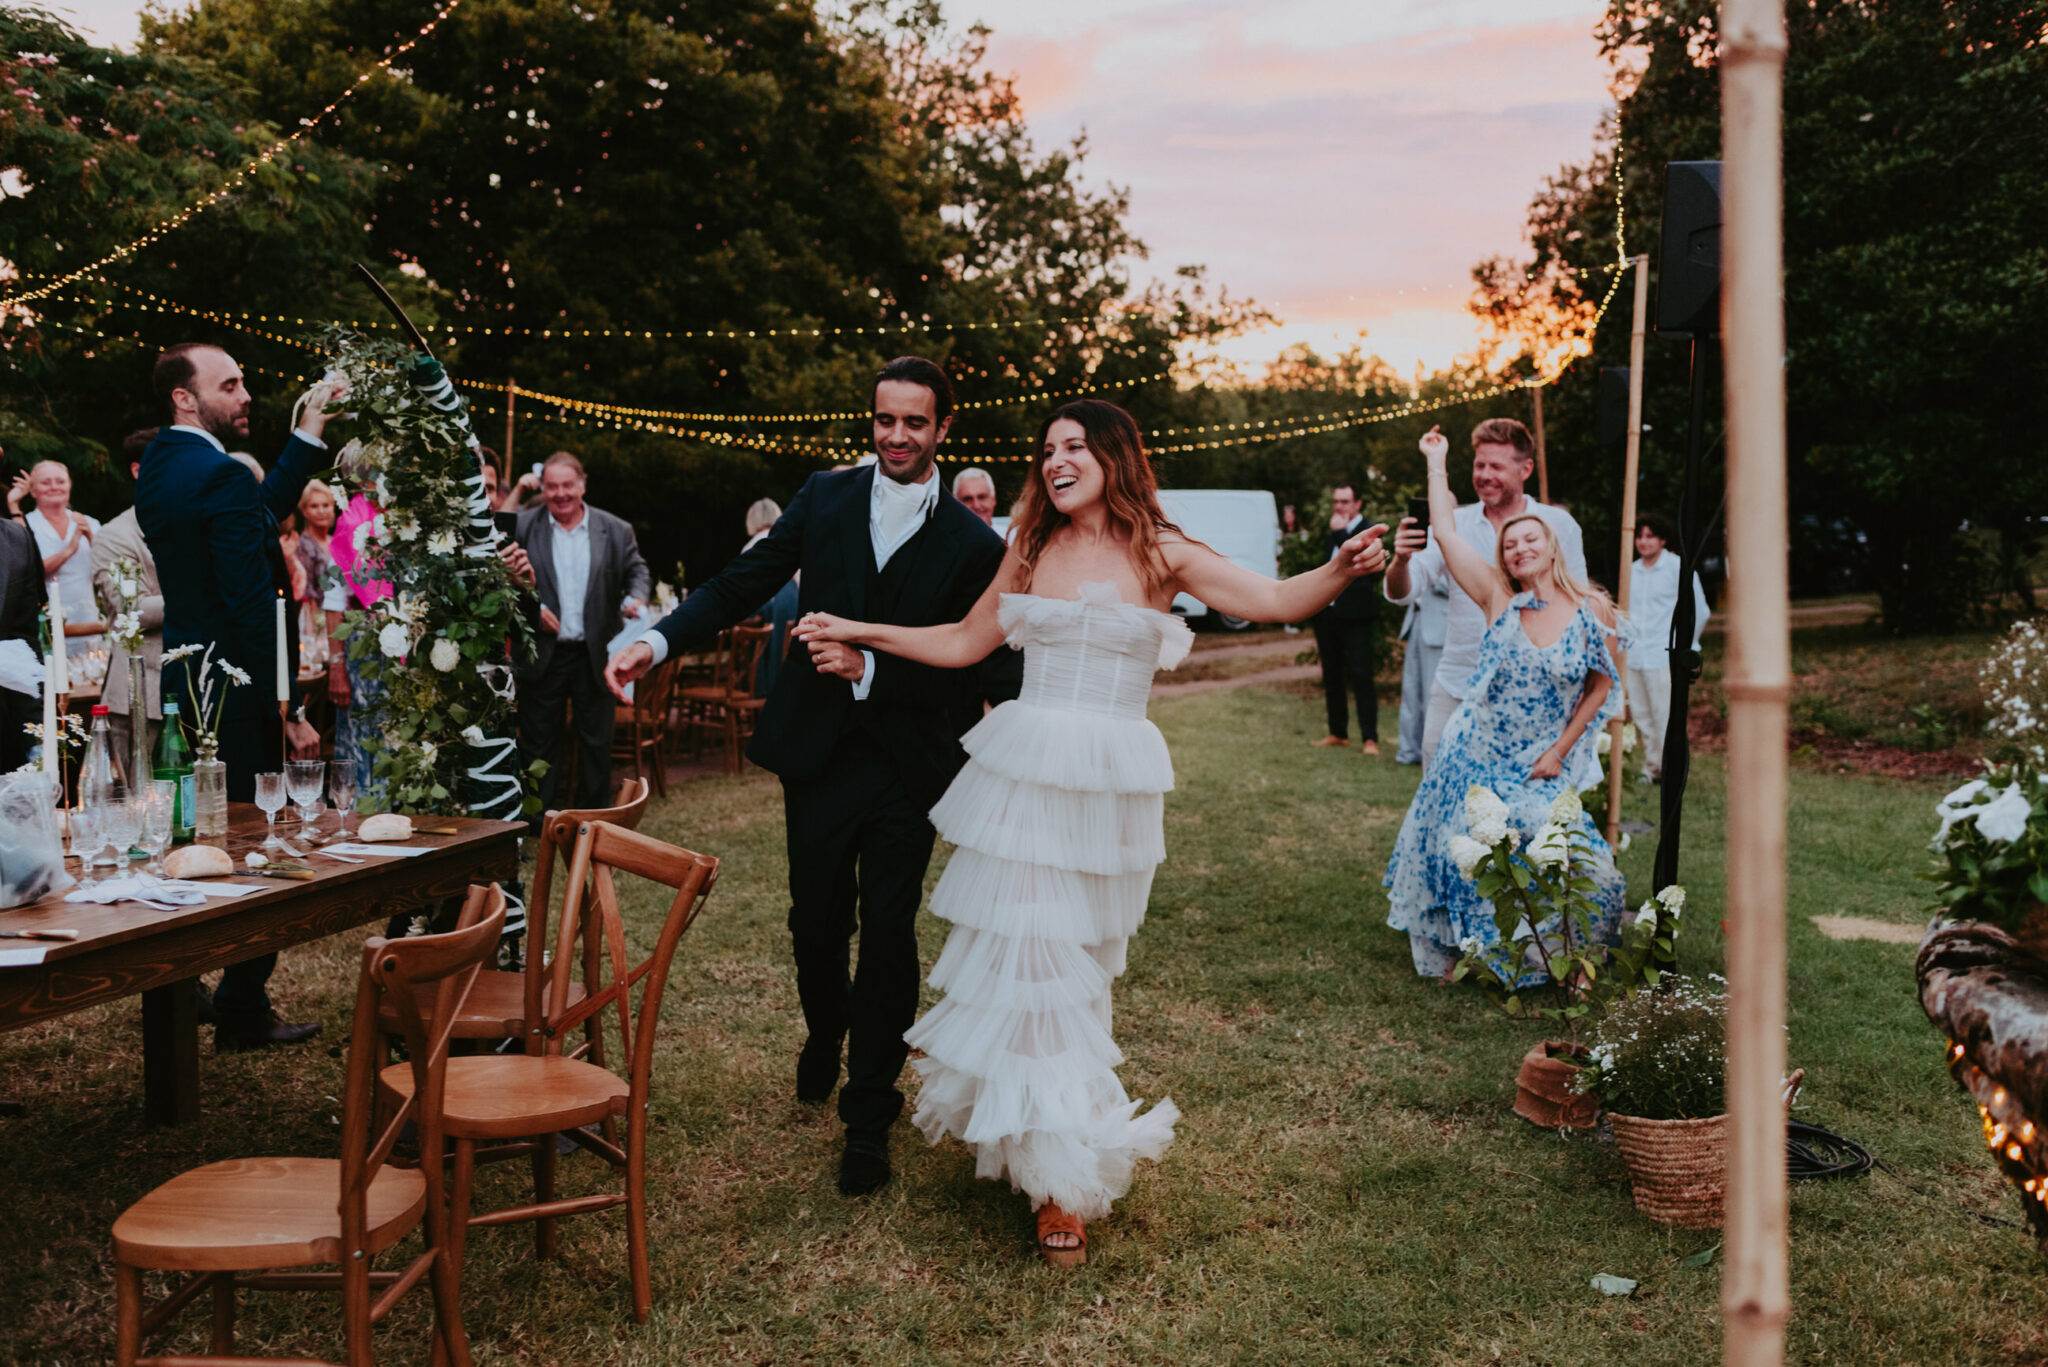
[(864, 743)]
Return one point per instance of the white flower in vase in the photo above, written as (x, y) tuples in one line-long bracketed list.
[(445, 655)]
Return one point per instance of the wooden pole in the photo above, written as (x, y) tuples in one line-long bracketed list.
[(1754, 1296), (1542, 460), (511, 399), (1616, 760)]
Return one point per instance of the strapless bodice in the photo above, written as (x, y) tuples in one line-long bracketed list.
[(1094, 653)]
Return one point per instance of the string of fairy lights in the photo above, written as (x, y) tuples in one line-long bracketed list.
[(164, 227)]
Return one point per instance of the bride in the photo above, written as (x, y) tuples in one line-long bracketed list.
[(1057, 815)]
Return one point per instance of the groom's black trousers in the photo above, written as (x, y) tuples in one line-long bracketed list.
[(859, 844)]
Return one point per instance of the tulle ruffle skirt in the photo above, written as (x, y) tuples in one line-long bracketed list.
[(1057, 817)]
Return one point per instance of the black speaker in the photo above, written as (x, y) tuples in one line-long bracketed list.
[(1610, 422), (1689, 250)]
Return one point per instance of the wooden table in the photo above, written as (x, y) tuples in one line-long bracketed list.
[(128, 948)]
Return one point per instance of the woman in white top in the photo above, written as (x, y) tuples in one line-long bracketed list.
[(63, 539)]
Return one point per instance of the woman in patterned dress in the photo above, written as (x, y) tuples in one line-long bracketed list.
[(1542, 688)]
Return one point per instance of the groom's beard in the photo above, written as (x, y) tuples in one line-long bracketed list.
[(227, 422)]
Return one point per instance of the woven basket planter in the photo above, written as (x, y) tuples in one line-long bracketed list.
[(1543, 1088), (1677, 1169)]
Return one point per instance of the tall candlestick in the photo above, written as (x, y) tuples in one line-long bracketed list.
[(50, 727), (60, 672), (284, 672)]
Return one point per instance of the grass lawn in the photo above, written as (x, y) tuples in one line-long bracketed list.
[(1348, 1185)]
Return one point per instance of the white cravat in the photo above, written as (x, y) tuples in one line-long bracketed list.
[(896, 511)]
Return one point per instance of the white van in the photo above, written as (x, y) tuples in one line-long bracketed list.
[(1242, 525)]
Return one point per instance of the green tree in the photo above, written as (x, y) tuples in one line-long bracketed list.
[(1916, 175), (96, 148)]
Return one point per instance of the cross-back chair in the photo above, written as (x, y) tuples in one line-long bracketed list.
[(503, 1002), (727, 706), (227, 1222), (559, 1088), (643, 723)]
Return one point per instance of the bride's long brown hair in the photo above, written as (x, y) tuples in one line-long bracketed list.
[(1129, 489)]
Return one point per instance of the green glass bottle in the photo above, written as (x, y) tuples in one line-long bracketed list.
[(174, 762)]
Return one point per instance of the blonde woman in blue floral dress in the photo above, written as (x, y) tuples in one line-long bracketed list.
[(1057, 815), (1543, 687)]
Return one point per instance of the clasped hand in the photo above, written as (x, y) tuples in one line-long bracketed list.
[(1364, 554), (830, 641)]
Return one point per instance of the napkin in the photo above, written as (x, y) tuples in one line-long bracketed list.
[(163, 893)]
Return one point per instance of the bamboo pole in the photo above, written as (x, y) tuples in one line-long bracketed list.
[(1616, 760), (511, 399), (1754, 1296), (1542, 460)]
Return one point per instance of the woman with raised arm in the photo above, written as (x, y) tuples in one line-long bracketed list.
[(1057, 815), (1525, 729)]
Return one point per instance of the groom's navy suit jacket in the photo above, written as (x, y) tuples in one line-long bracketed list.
[(212, 530), (916, 712)]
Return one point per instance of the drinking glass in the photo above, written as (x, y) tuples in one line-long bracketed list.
[(120, 823), (270, 797), (341, 785), (85, 839), (306, 778), (159, 806)]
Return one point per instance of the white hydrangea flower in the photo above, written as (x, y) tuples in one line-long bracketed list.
[(473, 734), (445, 655), (1628, 738), (442, 543), (1672, 899), (1470, 947), (1647, 916), (1486, 815), (393, 639), (1549, 848), (1567, 810), (1466, 853), (1604, 744)]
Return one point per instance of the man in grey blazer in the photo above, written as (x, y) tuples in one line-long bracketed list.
[(590, 576)]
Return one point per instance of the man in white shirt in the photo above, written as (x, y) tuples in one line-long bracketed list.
[(1652, 602), (590, 577), (976, 490), (1503, 458)]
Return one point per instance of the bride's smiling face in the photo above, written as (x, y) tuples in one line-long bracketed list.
[(1073, 477)]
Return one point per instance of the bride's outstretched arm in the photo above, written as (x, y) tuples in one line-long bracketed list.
[(1467, 566), (1237, 592), (954, 646)]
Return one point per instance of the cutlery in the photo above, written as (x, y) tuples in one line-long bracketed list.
[(38, 934)]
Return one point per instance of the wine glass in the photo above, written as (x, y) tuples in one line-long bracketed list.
[(306, 778), (270, 797), (120, 823), (159, 805), (341, 785)]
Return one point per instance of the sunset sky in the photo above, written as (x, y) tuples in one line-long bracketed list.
[(1343, 162)]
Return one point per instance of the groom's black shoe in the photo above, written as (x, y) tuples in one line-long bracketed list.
[(864, 1167), (817, 1071)]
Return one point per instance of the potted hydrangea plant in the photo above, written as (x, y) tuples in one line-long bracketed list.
[(1991, 850), (1544, 913)]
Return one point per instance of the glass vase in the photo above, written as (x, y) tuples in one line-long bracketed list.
[(138, 723), (209, 793)]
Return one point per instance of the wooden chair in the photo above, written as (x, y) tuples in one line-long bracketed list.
[(643, 724), (249, 1214), (727, 705), (500, 1097), (502, 1004)]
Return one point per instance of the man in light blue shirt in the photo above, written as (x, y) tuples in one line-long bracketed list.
[(1503, 458)]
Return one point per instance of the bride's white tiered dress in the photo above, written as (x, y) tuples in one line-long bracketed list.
[(1058, 820)]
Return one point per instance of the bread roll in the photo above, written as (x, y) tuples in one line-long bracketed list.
[(199, 861), (384, 826)]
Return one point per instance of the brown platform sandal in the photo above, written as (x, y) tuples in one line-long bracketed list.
[(1053, 1223)]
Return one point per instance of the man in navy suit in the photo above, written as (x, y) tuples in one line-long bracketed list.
[(212, 529), (864, 743)]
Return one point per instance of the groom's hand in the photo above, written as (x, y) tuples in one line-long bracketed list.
[(839, 660), (626, 666)]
